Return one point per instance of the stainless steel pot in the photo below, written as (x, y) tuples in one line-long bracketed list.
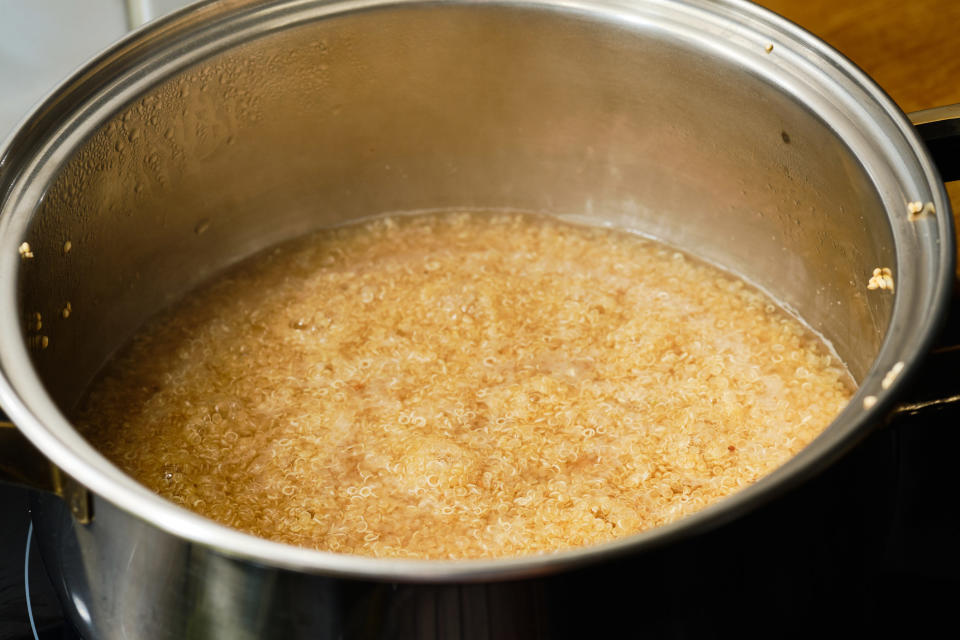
[(714, 126)]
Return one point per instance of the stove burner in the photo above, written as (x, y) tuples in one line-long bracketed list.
[(29, 609), (26, 582)]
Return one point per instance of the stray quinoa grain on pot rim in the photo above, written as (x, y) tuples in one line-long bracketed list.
[(463, 385)]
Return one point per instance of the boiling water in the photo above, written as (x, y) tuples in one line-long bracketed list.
[(463, 385)]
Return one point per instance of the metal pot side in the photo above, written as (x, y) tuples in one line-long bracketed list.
[(209, 135)]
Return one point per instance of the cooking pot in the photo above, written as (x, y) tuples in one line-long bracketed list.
[(714, 126)]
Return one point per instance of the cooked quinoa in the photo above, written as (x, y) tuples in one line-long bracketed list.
[(463, 385)]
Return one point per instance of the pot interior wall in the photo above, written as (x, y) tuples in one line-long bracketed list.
[(451, 106)]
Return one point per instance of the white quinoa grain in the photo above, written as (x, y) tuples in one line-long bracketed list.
[(891, 375), (917, 210), (882, 278)]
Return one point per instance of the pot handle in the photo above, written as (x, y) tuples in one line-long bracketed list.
[(937, 389), (940, 129), (22, 464)]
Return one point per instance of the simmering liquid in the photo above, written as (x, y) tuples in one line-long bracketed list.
[(462, 385)]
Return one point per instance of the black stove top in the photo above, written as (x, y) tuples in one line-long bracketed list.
[(28, 604)]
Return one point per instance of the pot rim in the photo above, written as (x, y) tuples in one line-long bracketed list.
[(916, 315)]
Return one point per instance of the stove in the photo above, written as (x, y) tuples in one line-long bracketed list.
[(28, 607)]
